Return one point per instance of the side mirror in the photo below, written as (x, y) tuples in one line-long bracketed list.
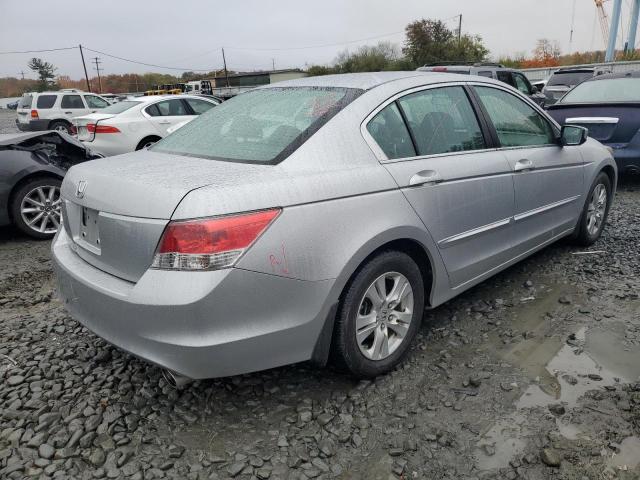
[(572, 135)]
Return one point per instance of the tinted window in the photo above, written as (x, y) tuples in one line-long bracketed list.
[(521, 83), (485, 73), (505, 77), (46, 101), (611, 90), (198, 106), (516, 122), (167, 108), (261, 126), (71, 101), (390, 132), (25, 101), (569, 79), (442, 120), (95, 102)]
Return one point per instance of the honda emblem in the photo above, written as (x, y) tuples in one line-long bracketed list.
[(82, 186)]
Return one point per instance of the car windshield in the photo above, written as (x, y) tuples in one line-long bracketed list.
[(25, 101), (610, 90), (119, 107), (260, 126), (568, 79)]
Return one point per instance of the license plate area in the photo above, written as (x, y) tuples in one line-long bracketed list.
[(83, 133), (89, 232)]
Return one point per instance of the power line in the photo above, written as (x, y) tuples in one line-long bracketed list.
[(39, 51), (148, 64)]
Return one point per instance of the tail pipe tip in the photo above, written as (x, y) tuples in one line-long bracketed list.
[(175, 380)]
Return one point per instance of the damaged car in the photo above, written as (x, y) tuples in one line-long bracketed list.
[(32, 166)]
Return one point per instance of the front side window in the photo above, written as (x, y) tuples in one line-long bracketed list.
[(46, 101), (517, 123), (390, 133), (521, 83), (95, 102), (72, 101), (442, 120), (506, 77), (25, 101), (199, 106), (261, 126)]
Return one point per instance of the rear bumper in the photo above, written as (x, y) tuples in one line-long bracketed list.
[(198, 324), (33, 125), (113, 144)]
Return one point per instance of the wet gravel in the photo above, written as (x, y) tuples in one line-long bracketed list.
[(533, 374)]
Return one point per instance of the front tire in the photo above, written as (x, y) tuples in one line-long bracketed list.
[(36, 207), (379, 315), (596, 209)]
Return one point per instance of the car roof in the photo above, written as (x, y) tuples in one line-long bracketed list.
[(609, 76), (367, 80)]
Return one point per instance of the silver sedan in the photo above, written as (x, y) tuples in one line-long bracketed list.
[(316, 219)]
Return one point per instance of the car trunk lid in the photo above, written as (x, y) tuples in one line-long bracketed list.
[(607, 123), (81, 123)]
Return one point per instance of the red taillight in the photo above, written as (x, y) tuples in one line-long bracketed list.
[(93, 128), (211, 243), (34, 113), (440, 69)]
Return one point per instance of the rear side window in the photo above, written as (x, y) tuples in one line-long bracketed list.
[(390, 132), (517, 124), (569, 79), (522, 83), (485, 73), (25, 101), (46, 101), (442, 120), (71, 101), (167, 108), (505, 77)]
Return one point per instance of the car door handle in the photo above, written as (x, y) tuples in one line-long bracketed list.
[(523, 165), (68, 113), (164, 122), (424, 176)]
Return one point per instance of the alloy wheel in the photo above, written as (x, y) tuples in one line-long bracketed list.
[(40, 209), (596, 209), (384, 316)]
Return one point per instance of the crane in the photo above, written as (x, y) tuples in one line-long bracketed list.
[(604, 20)]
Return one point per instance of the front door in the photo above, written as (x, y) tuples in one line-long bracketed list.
[(548, 178), (462, 191)]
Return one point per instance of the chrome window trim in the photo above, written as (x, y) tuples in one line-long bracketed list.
[(589, 120), (453, 239), (379, 153)]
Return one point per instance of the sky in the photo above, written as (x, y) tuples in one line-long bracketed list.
[(258, 34)]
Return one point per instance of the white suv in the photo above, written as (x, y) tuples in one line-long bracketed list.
[(55, 110)]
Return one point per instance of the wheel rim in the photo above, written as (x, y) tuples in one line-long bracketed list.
[(61, 128), (596, 209), (40, 209), (384, 316)]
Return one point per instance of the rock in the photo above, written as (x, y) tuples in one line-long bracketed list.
[(324, 418), (550, 457), (175, 451), (46, 451), (97, 457), (564, 300), (282, 441), (557, 409), (595, 377), (475, 382), (235, 468), (14, 380)]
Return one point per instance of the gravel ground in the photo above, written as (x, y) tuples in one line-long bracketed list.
[(533, 374)]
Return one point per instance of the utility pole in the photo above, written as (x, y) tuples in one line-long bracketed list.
[(613, 31), (97, 69), (273, 64), (136, 83), (22, 73), (86, 75), (224, 61), (633, 25), (459, 30)]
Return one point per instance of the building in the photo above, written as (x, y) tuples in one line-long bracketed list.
[(242, 81)]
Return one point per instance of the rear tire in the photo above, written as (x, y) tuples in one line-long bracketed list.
[(595, 211), (35, 207), (379, 315), (147, 142), (60, 126)]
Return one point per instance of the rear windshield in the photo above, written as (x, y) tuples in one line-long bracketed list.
[(611, 90), (259, 126), (119, 107), (25, 101), (568, 79), (46, 101)]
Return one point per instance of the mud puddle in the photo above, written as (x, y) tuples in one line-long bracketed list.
[(562, 369)]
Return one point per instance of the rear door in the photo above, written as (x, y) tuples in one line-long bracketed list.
[(167, 113), (72, 105), (460, 187), (548, 178)]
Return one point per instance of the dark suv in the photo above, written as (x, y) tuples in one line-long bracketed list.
[(510, 76), (563, 80)]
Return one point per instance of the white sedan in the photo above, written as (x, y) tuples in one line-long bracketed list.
[(137, 123)]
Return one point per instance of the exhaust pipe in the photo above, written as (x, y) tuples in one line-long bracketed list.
[(175, 380)]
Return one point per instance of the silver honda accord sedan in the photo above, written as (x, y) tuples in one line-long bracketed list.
[(318, 218)]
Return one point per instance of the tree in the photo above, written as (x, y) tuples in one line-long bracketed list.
[(368, 58), (546, 54), (45, 71)]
